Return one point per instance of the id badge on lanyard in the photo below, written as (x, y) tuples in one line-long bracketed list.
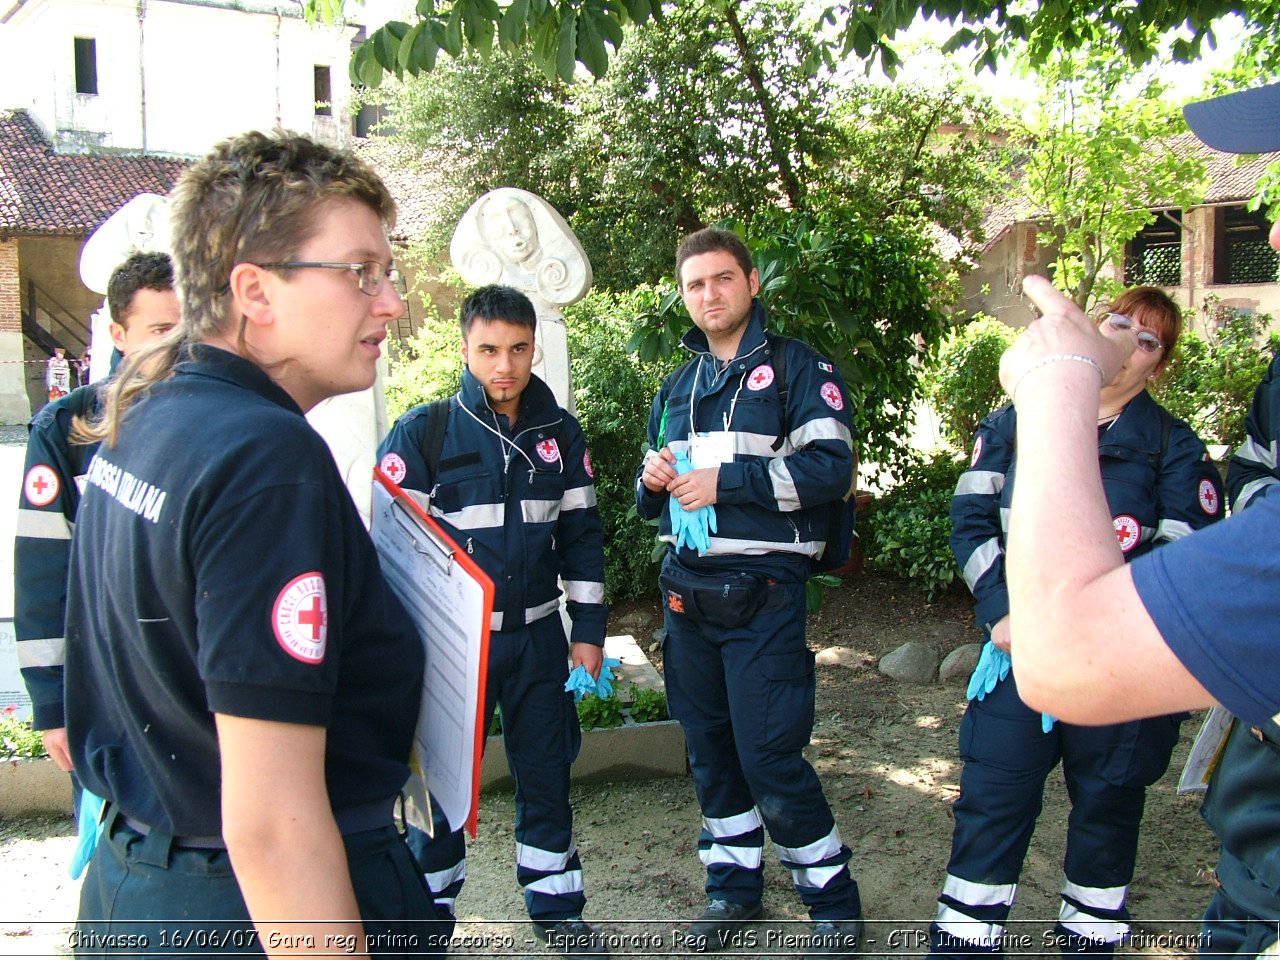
[(710, 450)]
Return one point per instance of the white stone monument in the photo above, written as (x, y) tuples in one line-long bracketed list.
[(515, 237)]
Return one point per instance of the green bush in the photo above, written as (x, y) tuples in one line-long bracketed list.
[(17, 739), (614, 389), (1210, 381), (648, 705), (907, 531), (426, 366), (962, 377)]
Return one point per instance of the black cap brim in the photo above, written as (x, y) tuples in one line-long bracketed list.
[(1244, 122)]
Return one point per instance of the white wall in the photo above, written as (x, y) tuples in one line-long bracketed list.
[(209, 72)]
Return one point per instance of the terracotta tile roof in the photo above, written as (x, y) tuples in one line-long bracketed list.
[(412, 177), (1233, 179), (45, 192)]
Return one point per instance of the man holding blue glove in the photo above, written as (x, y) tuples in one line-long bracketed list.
[(511, 481), (751, 443)]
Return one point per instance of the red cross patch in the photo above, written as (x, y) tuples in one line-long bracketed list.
[(548, 450), (586, 464), (1209, 501), (41, 486), (831, 394), (977, 451), (675, 602), (393, 466), (1127, 532), (760, 377), (300, 618)]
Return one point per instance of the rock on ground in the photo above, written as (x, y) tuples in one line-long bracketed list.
[(913, 662)]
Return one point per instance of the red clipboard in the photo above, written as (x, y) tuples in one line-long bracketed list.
[(459, 561)]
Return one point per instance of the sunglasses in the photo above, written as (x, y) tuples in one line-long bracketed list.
[(1148, 342)]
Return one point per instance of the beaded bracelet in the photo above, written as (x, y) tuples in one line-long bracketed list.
[(1054, 358)]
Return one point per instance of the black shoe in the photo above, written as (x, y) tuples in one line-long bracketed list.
[(719, 923), (834, 940), (572, 937)]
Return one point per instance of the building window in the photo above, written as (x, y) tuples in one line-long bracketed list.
[(324, 92), (86, 65), (1154, 256), (1241, 251)]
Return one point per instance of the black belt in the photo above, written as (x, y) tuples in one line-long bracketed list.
[(369, 816)]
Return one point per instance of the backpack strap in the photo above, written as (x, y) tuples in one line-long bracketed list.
[(778, 360), (433, 442)]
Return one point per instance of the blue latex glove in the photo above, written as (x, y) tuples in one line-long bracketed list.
[(993, 666), (604, 686), (89, 827), (695, 527), (580, 683), (1047, 722)]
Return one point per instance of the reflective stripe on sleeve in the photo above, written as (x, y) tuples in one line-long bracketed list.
[(46, 652), (980, 482), (42, 525), (982, 560)]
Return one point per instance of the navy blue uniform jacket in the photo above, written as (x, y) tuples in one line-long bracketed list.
[(519, 498), (1151, 499), (770, 504)]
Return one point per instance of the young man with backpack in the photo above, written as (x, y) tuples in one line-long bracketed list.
[(506, 472), (758, 429)]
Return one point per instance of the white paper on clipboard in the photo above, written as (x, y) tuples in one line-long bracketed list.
[(1206, 751), (449, 600)]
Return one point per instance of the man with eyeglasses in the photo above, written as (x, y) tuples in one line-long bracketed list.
[(1095, 640), (512, 483)]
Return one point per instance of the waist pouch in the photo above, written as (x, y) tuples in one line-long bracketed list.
[(720, 599)]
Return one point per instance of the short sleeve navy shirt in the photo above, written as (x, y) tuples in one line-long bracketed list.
[(1214, 598), (220, 566)]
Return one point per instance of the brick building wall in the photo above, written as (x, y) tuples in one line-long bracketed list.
[(10, 288)]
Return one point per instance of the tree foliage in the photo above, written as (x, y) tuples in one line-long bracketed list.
[(1211, 380), (561, 34), (1096, 156), (675, 138)]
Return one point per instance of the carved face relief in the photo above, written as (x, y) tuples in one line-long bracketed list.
[(508, 225)]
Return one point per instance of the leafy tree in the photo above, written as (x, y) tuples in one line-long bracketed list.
[(675, 138), (564, 33), (1096, 155)]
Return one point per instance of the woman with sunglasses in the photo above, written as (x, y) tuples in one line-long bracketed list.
[(1160, 486)]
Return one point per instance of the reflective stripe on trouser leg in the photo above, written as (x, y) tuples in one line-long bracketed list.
[(696, 696), (542, 738), (1091, 919), (1107, 770), (817, 868), (443, 860), (1007, 757), (744, 697), (728, 845), (971, 916)]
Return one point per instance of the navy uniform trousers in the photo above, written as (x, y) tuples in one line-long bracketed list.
[(744, 697), (1007, 758), (192, 894), (528, 668)]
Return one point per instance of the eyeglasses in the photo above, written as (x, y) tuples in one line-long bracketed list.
[(1148, 342), (371, 274)]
